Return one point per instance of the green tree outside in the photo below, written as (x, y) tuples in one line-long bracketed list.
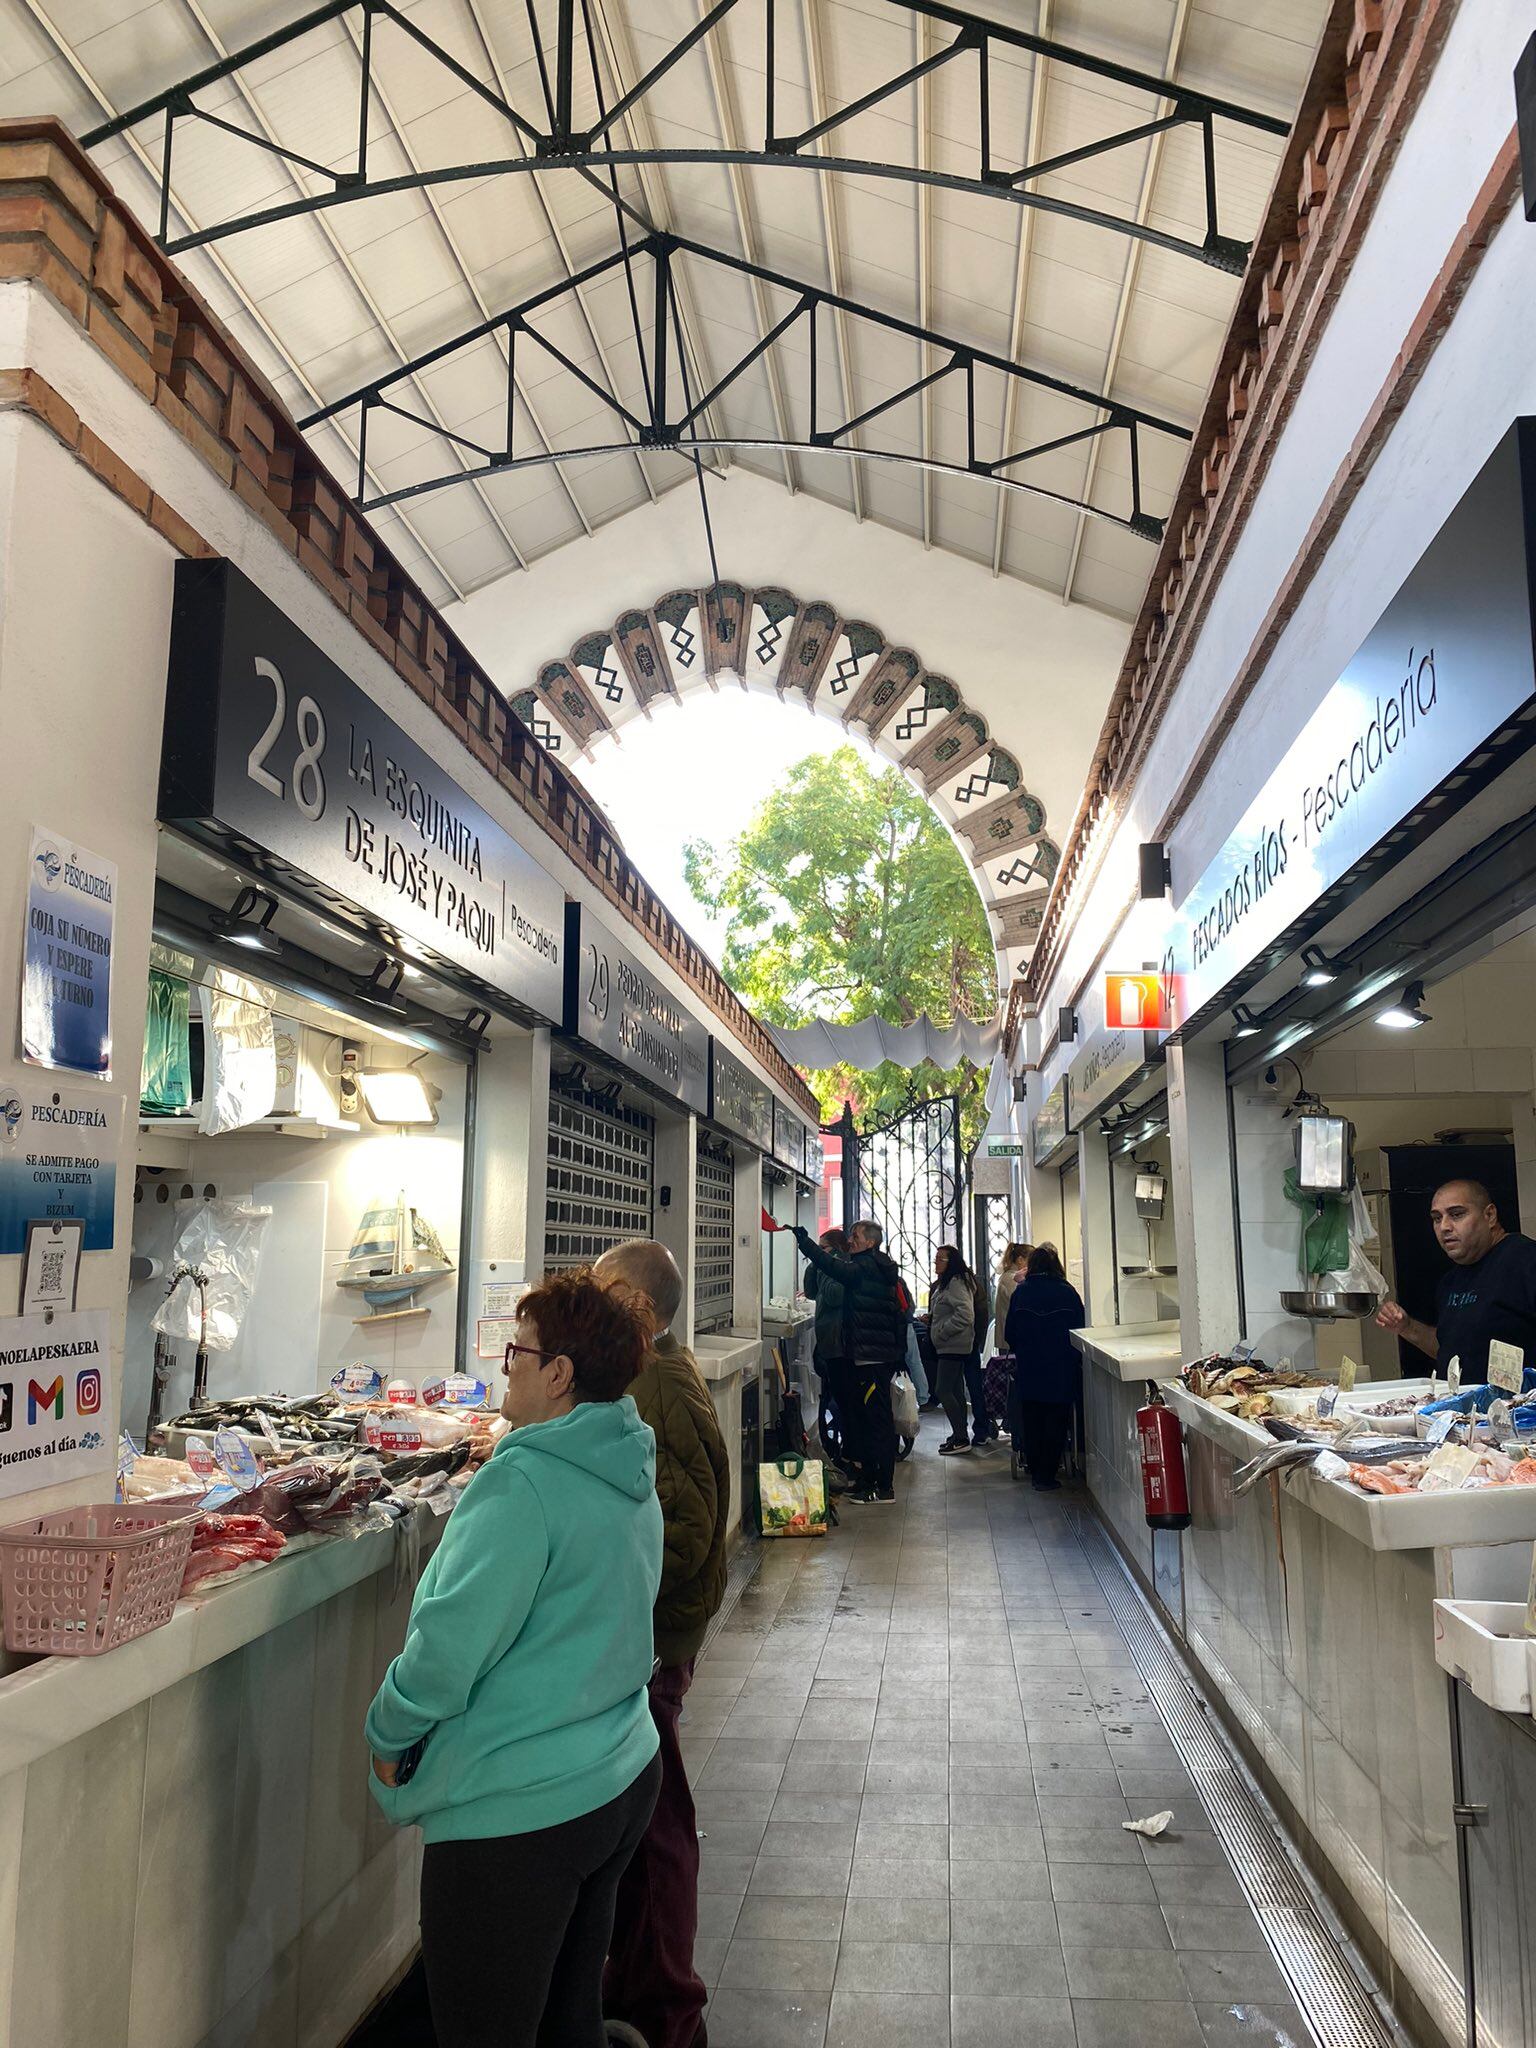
[(845, 898)]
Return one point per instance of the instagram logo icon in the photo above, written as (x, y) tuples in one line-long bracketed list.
[(88, 1392)]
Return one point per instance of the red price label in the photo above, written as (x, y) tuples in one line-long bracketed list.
[(396, 1434)]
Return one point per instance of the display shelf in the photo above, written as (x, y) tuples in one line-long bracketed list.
[(1133, 1351), (1484, 1644), (1491, 1514)]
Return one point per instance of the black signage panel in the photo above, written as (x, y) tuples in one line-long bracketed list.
[(270, 747), (738, 1100), (788, 1138), (619, 1007)]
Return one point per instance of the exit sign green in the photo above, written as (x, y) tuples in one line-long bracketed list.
[(1005, 1148)]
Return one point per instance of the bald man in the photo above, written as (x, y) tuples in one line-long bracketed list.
[(651, 1981), (1489, 1291)]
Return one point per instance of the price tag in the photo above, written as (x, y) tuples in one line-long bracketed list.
[(357, 1383), (1330, 1466), (1497, 1418), (396, 1435), (1453, 1375), (200, 1458), (1450, 1467), (236, 1460), (1439, 1427), (1506, 1366), (268, 1429), (458, 1390), (1326, 1403), (1347, 1371), (402, 1394)]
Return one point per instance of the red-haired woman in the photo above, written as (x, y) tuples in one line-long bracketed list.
[(514, 1726)]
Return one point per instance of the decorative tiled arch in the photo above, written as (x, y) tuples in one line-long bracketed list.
[(805, 651)]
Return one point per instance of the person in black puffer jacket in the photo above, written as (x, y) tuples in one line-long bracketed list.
[(875, 1335), (831, 1355)]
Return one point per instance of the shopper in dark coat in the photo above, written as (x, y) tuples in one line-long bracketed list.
[(1048, 1369), (875, 1311), (832, 1361)]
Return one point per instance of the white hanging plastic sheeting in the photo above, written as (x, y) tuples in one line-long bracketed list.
[(213, 1274), (871, 1042), (239, 1059)]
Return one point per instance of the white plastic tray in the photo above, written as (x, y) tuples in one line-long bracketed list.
[(1484, 1644)]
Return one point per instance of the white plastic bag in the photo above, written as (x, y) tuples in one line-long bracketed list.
[(904, 1411), (239, 1061), (213, 1274)]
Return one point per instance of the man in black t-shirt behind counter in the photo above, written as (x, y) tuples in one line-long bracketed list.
[(1489, 1292)]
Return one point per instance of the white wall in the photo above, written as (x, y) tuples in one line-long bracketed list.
[(84, 625)]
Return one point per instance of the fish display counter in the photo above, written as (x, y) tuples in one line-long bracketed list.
[(198, 1798), (1317, 1547), (1118, 1361)]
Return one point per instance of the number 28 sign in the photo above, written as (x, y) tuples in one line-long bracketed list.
[(268, 742)]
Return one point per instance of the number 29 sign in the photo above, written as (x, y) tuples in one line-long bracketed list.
[(267, 740)]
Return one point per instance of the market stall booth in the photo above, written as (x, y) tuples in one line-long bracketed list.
[(1351, 969)]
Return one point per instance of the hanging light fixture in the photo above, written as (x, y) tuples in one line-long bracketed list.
[(1319, 969), (248, 921), (1408, 1012), (398, 1095), (1244, 1022)]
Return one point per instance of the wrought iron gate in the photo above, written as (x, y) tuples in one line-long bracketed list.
[(907, 1173)]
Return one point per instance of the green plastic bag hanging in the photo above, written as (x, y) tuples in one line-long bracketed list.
[(165, 1084), (1324, 1229)]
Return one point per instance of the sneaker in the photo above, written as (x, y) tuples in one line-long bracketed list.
[(953, 1447), (860, 1497), (880, 1496)]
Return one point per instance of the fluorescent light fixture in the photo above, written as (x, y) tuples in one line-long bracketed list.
[(1320, 970), (398, 1095), (1407, 1013), (248, 921), (1244, 1022)]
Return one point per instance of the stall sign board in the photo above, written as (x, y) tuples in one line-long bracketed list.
[(738, 1101), (1106, 1066), (58, 1161), (53, 1399), (268, 743), (1049, 1129), (1447, 663), (66, 975), (618, 1005), (788, 1138)]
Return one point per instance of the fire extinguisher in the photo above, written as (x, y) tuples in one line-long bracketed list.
[(1164, 1489)]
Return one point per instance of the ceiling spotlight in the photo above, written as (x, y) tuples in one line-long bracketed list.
[(1407, 1013), (382, 987), (248, 921), (1320, 970), (1244, 1022)]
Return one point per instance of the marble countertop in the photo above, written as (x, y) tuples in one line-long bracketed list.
[(1133, 1351), (46, 1704), (1414, 1521)]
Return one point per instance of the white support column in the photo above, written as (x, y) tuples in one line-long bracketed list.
[(1204, 1227), (747, 1272), (676, 1167), (1098, 1226)]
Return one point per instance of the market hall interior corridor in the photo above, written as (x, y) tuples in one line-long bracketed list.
[(913, 1747)]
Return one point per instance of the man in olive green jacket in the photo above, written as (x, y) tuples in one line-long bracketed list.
[(651, 1982)]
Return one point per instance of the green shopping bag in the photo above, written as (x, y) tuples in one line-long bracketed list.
[(792, 1497)]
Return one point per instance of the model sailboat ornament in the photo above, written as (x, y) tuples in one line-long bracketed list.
[(394, 1254)]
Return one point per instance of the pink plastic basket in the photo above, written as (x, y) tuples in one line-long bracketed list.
[(84, 1580)]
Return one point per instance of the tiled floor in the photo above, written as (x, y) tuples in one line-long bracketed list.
[(913, 1746)]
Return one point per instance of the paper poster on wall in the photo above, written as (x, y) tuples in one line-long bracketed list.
[(50, 1270), (58, 1161), (53, 1399), (66, 976)]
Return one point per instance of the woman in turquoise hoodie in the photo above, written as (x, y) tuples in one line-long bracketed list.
[(514, 1727)]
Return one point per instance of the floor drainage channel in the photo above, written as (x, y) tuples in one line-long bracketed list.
[(740, 1571), (1313, 1954)]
